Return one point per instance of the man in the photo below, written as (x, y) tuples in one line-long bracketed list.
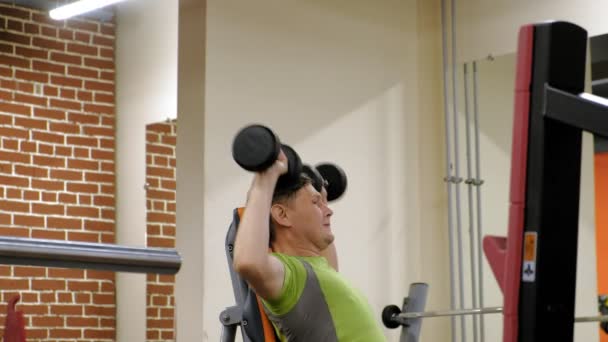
[(303, 295)]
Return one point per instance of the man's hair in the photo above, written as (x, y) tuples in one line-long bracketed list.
[(283, 193)]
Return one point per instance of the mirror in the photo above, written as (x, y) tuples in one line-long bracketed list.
[(485, 92)]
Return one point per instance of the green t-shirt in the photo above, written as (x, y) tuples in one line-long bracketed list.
[(318, 304)]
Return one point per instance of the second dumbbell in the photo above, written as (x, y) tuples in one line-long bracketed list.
[(329, 176)]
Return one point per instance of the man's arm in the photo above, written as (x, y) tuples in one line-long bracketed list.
[(331, 255), (263, 272)]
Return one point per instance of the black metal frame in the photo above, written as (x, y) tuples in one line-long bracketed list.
[(559, 111)]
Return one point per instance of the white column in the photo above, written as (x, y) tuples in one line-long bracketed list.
[(190, 141)]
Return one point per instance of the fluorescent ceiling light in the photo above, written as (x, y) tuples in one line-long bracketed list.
[(79, 7)]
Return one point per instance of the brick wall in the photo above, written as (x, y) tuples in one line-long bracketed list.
[(160, 177), (57, 166)]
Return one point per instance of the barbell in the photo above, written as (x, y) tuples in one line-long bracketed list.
[(393, 317), (410, 317)]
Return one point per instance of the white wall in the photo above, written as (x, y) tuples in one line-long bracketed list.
[(348, 81), (146, 92), (491, 26), (353, 82)]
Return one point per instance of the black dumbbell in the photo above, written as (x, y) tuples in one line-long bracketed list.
[(294, 167), (335, 180), (388, 314), (327, 175), (256, 148), (314, 175)]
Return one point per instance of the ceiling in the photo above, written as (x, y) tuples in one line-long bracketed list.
[(101, 14)]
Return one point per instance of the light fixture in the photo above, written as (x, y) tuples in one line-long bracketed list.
[(79, 7)]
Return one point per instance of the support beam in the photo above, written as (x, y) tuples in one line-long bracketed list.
[(82, 255), (585, 111)]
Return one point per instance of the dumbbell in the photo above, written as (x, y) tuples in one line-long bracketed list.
[(317, 180), (327, 175), (255, 148)]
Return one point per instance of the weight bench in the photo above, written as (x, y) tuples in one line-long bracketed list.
[(248, 313)]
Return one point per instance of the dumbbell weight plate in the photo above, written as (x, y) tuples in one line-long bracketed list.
[(314, 175), (294, 167), (255, 148), (387, 316), (336, 180)]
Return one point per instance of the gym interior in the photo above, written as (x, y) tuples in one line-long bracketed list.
[(118, 185)]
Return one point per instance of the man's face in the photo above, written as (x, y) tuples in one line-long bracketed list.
[(311, 217)]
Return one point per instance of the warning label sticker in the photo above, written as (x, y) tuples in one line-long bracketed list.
[(529, 262)]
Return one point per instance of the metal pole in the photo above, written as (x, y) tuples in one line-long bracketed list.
[(228, 333), (591, 319), (470, 199), (448, 162), (404, 317), (478, 193), (444, 313), (82, 255), (457, 170), (416, 301)]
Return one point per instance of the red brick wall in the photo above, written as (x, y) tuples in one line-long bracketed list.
[(160, 176), (57, 166)]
